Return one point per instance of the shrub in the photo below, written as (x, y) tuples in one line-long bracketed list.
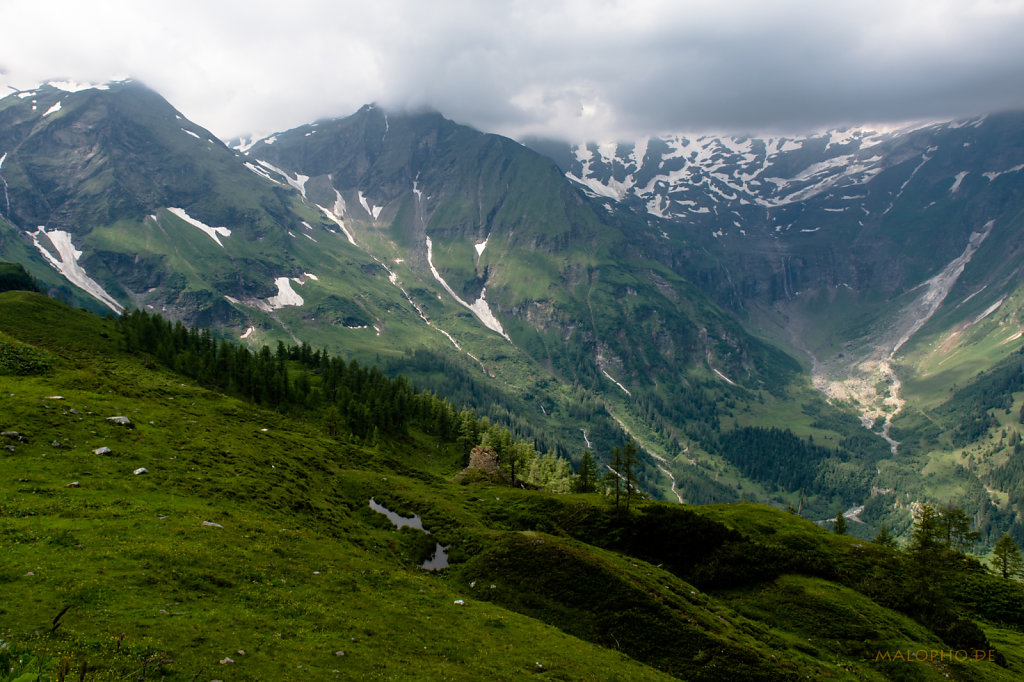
[(22, 360)]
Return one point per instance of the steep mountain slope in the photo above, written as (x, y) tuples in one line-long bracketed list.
[(845, 243), (118, 193), (502, 233), (473, 265), (460, 258), (891, 261), (572, 284), (209, 537)]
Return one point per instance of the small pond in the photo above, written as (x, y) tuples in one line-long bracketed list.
[(434, 563)]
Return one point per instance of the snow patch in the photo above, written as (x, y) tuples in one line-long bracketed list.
[(67, 264), (53, 110), (260, 172), (214, 232), (248, 333), (75, 86), (339, 204), (614, 189), (478, 307), (610, 378), (299, 182), (337, 220), (371, 210), (727, 379), (993, 175), (245, 144), (480, 247), (956, 183), (286, 296), (640, 152), (189, 132)]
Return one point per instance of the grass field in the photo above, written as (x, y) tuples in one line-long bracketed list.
[(247, 550)]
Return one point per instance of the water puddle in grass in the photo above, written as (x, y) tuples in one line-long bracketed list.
[(399, 522), (434, 563), (439, 560)]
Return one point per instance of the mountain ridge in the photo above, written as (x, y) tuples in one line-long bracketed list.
[(456, 256)]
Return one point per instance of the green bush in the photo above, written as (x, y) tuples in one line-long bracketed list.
[(22, 360)]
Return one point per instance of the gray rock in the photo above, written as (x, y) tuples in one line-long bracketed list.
[(120, 420), (102, 451), (141, 470), (73, 484), (211, 524)]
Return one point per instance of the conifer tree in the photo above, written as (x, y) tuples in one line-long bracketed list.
[(956, 528), (1006, 558), (332, 421), (839, 527), (586, 475), (927, 536), (629, 461), (613, 478), (885, 538)]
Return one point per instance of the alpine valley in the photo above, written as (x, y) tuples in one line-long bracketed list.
[(821, 323)]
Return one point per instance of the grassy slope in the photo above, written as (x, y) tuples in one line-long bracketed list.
[(302, 569)]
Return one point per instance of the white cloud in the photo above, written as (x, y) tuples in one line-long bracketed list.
[(560, 67)]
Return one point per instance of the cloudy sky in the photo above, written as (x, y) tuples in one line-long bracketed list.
[(597, 69)]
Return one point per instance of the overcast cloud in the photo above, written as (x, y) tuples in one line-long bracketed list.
[(561, 68)]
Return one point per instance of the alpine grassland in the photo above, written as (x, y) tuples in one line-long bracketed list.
[(164, 517)]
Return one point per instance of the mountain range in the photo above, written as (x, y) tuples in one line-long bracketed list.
[(824, 321)]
